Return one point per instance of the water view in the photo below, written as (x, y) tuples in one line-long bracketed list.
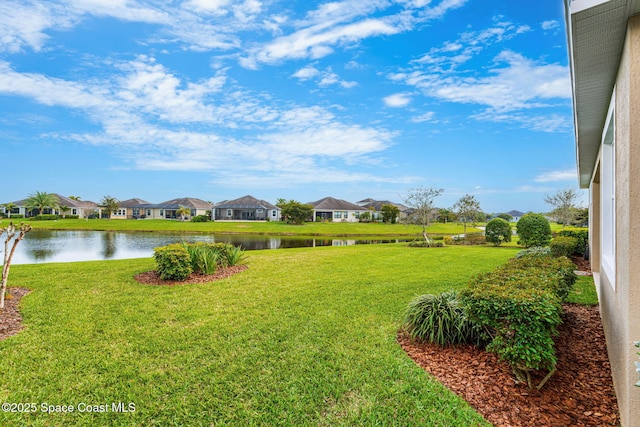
[(40, 246)]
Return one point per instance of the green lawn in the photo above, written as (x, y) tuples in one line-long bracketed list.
[(303, 337), (272, 228)]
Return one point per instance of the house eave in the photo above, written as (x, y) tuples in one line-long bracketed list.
[(596, 30)]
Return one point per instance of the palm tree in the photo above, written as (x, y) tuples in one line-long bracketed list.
[(183, 211), (109, 205), (42, 200), (9, 207), (63, 210)]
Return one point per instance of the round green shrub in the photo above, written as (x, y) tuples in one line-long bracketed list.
[(498, 230), (563, 246), (533, 230), (173, 262), (441, 320)]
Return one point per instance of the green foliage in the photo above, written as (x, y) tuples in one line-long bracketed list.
[(426, 244), (201, 218), (534, 251), (46, 217), (41, 200), (109, 205), (521, 303), (294, 212), (204, 258), (467, 239), (365, 217), (498, 230), (440, 319), (389, 213), (505, 216), (234, 255), (533, 230), (173, 262), (581, 234), (563, 246)]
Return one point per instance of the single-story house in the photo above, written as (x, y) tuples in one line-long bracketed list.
[(66, 206), (604, 53), (129, 209), (375, 207), (515, 215), (167, 210), (330, 209), (246, 208)]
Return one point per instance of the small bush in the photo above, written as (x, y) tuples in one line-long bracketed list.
[(46, 217), (200, 218), (441, 320), (563, 246), (173, 262), (425, 244), (533, 230), (469, 239), (234, 255), (582, 236), (498, 230)]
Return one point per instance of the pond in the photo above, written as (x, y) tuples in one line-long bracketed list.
[(40, 246)]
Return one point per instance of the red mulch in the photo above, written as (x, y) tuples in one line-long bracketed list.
[(10, 319), (152, 278), (580, 393)]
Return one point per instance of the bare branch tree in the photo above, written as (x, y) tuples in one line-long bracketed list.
[(420, 200), (8, 254), (564, 205)]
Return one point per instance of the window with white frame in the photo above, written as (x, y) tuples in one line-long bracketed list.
[(608, 198)]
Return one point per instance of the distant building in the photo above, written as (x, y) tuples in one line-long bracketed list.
[(375, 207), (246, 208), (337, 210), (515, 215)]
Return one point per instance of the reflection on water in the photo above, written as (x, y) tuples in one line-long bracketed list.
[(67, 246)]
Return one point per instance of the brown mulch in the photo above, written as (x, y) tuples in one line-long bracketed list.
[(10, 319), (152, 278), (580, 393)]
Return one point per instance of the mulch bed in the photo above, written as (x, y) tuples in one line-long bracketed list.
[(152, 278), (10, 319), (580, 393)]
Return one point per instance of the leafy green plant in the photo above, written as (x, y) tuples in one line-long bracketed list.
[(234, 255), (172, 262), (204, 258), (563, 246), (582, 236), (533, 230), (498, 230), (440, 319), (201, 218)]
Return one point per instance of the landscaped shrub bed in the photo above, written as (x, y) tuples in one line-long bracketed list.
[(177, 261), (520, 304), (582, 236)]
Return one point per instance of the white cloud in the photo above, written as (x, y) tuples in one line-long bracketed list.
[(397, 100), (425, 117), (324, 78), (553, 176), (139, 110), (549, 25)]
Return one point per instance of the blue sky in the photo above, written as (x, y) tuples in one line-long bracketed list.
[(353, 99)]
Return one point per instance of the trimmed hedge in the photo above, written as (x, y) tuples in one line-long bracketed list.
[(521, 303), (498, 230), (533, 230), (173, 262), (581, 234), (563, 246)]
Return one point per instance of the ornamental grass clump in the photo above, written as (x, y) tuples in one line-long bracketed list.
[(177, 261), (440, 319)]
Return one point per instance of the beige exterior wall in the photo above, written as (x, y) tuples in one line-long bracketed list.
[(620, 295)]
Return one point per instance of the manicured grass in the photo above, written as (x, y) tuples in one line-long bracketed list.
[(304, 337), (584, 292), (272, 228)]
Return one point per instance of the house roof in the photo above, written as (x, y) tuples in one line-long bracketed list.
[(133, 203), (188, 202), (377, 205), (515, 213), (596, 31), (245, 202), (65, 201), (331, 204)]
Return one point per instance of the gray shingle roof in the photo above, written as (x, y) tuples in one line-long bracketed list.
[(245, 202), (331, 204)]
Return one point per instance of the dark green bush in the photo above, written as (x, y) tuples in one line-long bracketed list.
[(533, 230), (425, 244), (582, 234), (563, 246), (46, 217), (521, 303), (200, 218), (440, 319), (173, 262), (498, 230), (469, 239)]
